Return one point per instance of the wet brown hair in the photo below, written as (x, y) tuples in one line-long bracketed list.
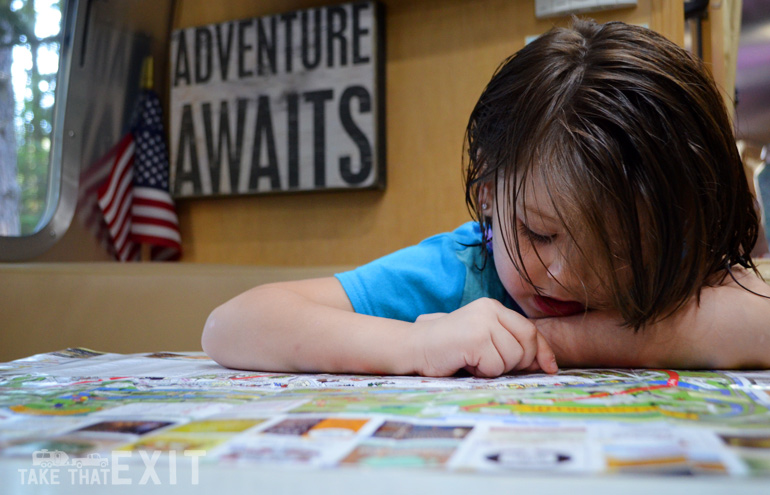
[(631, 139)]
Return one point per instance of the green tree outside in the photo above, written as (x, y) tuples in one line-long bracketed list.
[(33, 28)]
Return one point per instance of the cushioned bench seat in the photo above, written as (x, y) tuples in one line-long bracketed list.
[(120, 307)]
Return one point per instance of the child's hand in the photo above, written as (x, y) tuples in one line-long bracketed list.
[(485, 338)]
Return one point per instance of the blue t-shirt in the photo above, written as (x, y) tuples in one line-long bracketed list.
[(438, 275)]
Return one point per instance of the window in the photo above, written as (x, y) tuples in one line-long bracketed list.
[(37, 188)]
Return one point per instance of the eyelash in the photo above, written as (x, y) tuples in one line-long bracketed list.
[(533, 237)]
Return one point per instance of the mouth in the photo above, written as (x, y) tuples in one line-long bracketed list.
[(554, 307)]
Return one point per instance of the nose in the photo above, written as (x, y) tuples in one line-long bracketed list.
[(559, 270), (554, 262)]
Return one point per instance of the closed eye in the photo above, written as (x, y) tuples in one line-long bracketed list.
[(534, 237)]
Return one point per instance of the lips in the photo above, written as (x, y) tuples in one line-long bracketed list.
[(554, 307)]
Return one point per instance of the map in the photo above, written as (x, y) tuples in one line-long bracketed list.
[(84, 405)]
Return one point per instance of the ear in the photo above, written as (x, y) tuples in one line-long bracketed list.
[(486, 197)]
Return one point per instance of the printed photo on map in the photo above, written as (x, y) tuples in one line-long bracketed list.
[(77, 352), (177, 442), (175, 355), (662, 460), (399, 430), (138, 427), (407, 454), (760, 440), (72, 445), (216, 426), (272, 454), (317, 427), (293, 426), (529, 448), (286, 450)]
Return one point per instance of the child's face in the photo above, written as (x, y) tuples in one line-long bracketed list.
[(542, 243)]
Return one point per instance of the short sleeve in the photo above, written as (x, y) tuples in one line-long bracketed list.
[(426, 278)]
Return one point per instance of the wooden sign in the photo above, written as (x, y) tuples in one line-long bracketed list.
[(288, 102)]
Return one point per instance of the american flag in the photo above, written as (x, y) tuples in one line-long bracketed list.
[(134, 200), (88, 211)]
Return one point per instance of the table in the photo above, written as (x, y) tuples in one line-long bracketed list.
[(79, 420)]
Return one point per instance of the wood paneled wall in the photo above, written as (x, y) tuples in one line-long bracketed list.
[(721, 34), (439, 56)]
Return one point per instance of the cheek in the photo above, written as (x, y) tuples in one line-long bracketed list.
[(513, 282)]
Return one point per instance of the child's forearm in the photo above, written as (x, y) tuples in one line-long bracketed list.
[(730, 328), (310, 326), (593, 340), (273, 328)]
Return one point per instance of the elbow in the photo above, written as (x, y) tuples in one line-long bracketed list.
[(235, 332), (207, 338), (214, 338)]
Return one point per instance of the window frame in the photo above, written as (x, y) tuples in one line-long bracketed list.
[(65, 155)]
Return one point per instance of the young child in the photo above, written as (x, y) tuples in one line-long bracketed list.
[(613, 226)]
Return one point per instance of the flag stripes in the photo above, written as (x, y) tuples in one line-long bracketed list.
[(134, 199)]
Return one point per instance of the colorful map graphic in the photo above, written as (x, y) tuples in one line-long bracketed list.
[(581, 421)]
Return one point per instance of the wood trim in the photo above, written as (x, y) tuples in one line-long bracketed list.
[(667, 18)]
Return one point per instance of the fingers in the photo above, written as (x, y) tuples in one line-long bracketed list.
[(486, 339), (525, 336), (546, 358), (490, 365), (524, 348), (512, 353), (532, 367)]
